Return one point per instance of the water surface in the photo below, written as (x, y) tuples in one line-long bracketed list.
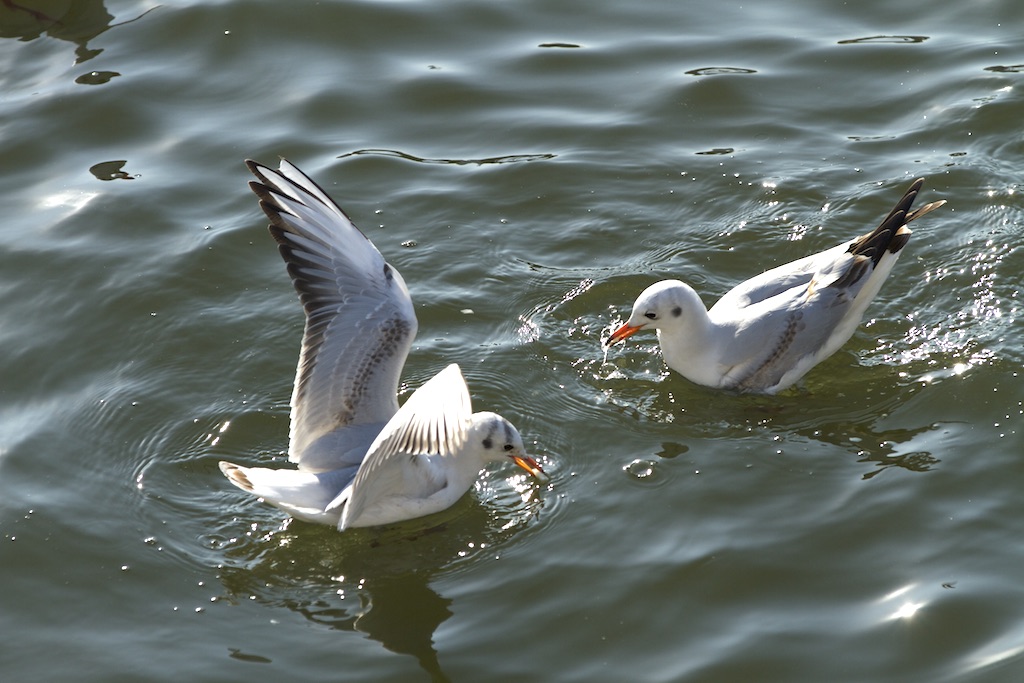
[(529, 167)]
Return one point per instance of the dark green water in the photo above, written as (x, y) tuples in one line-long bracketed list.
[(529, 167)]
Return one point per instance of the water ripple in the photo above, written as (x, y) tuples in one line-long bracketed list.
[(720, 71), (885, 39), (508, 159)]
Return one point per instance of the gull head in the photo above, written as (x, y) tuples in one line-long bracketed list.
[(663, 305), (495, 439)]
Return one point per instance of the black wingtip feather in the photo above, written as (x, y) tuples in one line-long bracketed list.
[(254, 167), (892, 234)]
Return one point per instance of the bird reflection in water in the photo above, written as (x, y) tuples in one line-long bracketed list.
[(374, 581), (76, 21), (379, 580), (401, 612)]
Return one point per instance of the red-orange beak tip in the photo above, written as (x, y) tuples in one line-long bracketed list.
[(531, 466), (623, 332)]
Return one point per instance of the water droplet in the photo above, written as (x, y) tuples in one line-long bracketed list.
[(640, 469)]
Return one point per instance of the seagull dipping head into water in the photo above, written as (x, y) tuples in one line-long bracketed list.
[(362, 460), (766, 333)]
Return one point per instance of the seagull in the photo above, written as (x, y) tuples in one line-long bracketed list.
[(362, 460), (767, 332)]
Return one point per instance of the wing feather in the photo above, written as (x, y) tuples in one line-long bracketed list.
[(433, 421), (360, 322)]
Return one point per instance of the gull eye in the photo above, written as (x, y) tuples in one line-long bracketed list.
[(509, 447), (650, 316)]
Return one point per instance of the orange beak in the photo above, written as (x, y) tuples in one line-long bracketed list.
[(530, 465), (623, 332)]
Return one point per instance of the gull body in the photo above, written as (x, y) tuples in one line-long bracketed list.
[(362, 460), (767, 332)]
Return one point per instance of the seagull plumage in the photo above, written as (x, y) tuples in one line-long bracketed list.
[(362, 460), (766, 333)]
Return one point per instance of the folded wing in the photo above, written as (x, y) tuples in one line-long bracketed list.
[(433, 421)]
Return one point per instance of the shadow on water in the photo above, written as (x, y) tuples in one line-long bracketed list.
[(908, 449), (860, 423), (375, 581), (76, 21), (861, 426), (401, 613), (371, 581)]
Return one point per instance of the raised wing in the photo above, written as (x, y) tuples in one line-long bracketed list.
[(360, 322), (432, 422)]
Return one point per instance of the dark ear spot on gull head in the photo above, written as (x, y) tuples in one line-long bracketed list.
[(488, 443), (677, 311)]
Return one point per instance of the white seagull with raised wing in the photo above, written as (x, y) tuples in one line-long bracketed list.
[(767, 332), (362, 460)]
